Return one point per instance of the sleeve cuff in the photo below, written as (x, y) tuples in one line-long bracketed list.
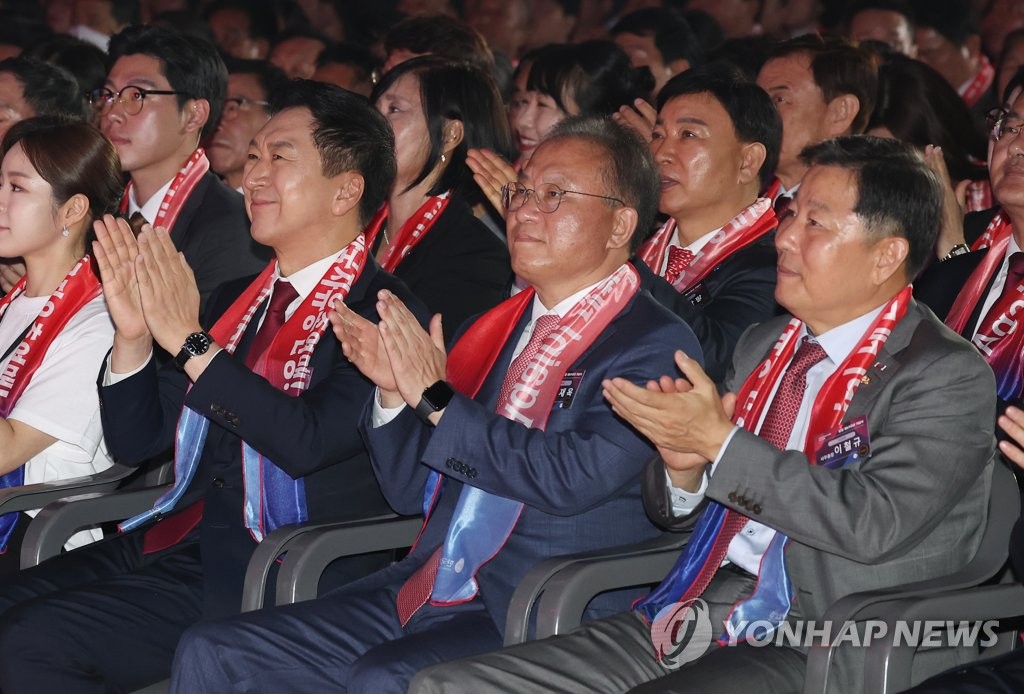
[(382, 415), (683, 502), (110, 378)]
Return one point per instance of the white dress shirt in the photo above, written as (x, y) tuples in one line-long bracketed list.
[(695, 247), (747, 548), (151, 208)]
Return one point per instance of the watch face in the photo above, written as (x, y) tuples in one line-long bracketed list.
[(438, 395), (197, 343)]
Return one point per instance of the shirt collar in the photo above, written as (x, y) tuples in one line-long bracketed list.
[(698, 245), (839, 341), (306, 280), (151, 208), (563, 306)]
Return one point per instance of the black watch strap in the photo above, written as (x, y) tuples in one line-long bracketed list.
[(195, 345), (436, 397)]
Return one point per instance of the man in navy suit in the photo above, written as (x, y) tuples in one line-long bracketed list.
[(516, 457), (268, 435)]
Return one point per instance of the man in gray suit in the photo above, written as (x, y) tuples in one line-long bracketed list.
[(853, 452)]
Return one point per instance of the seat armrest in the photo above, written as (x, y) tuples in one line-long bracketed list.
[(888, 665), (59, 520), (32, 496), (254, 589), (309, 553), (566, 584)]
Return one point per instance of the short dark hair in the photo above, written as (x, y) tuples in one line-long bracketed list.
[(350, 54), (629, 169), (454, 91), (1015, 82), (900, 8), (897, 192), (440, 35), (269, 76), (349, 134), (191, 65), (73, 157), (753, 115), (954, 19), (48, 89), (125, 11), (838, 68), (262, 23), (85, 61), (597, 75), (671, 34)]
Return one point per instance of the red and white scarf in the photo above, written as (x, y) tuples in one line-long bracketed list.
[(835, 395), (981, 81), (182, 185), (744, 229), (414, 230), (77, 289)]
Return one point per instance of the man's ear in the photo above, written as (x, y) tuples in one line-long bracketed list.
[(752, 159), (196, 113), (840, 114), (624, 223), (348, 194), (890, 256)]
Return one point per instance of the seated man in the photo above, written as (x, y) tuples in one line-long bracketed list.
[(716, 141), (250, 83), (263, 385), (977, 291), (782, 524), (163, 95), (524, 462)]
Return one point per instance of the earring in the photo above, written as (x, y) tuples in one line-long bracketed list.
[(443, 158), (65, 231)]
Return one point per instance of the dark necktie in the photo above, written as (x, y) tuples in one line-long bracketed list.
[(282, 295), (776, 430), (678, 260)]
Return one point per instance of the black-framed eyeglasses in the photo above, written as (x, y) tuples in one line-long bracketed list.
[(548, 196), (1003, 123), (130, 97), (234, 104)]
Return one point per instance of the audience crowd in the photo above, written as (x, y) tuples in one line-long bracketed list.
[(558, 277)]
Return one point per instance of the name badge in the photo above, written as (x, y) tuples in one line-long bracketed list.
[(567, 390), (696, 295), (845, 445)]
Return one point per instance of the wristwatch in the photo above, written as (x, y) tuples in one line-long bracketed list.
[(435, 398), (195, 345), (956, 250)]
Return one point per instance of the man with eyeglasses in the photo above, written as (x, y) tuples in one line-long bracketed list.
[(506, 440), (978, 287), (163, 94), (250, 82)]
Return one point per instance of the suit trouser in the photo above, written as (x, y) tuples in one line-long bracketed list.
[(348, 640), (617, 655), (101, 618)]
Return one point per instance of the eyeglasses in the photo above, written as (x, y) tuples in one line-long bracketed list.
[(1003, 123), (548, 196), (131, 99), (234, 104)]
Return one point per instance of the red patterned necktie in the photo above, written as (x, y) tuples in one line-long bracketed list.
[(678, 260), (415, 592), (282, 295), (776, 430)]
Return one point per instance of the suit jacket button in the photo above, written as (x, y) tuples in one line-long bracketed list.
[(448, 463), (218, 482), (732, 497), (756, 508)]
